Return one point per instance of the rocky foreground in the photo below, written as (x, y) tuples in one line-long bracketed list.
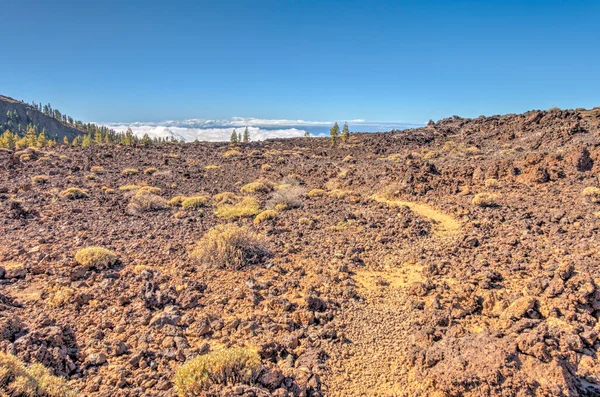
[(456, 259)]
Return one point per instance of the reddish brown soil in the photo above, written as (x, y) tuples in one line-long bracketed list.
[(416, 293)]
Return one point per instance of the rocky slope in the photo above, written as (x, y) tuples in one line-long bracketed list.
[(27, 114), (389, 280)]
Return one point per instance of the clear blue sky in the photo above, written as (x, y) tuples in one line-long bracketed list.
[(314, 60)]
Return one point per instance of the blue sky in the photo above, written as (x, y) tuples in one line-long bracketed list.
[(397, 60)]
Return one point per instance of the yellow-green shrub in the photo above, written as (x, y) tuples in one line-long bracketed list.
[(229, 247), (194, 202), (221, 367), (232, 153), (96, 257), (73, 193), (485, 200), (130, 171), (176, 201), (316, 193), (247, 207), (40, 179), (593, 193), (18, 379), (265, 216), (144, 201), (256, 187)]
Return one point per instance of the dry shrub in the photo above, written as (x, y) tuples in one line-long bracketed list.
[(431, 154), (60, 296), (96, 257), (485, 200), (224, 197), (256, 187), (266, 167), (265, 216), (292, 179), (247, 207), (128, 188), (290, 197), (305, 221), (593, 193), (339, 193), (18, 379), (130, 171), (145, 201), (348, 159), (190, 203), (73, 193), (492, 183), (150, 170), (221, 367), (40, 179), (232, 153), (212, 167), (176, 201), (229, 247), (317, 193), (97, 169)]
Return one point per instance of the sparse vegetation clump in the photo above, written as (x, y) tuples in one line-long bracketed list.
[(40, 179), (194, 202), (265, 216), (145, 201), (266, 167), (232, 153), (96, 257), (176, 201), (229, 247), (128, 188), (221, 367), (492, 183), (485, 200), (224, 197), (290, 197), (256, 187), (35, 380), (97, 169), (592, 193), (130, 171), (212, 167), (316, 193), (248, 206), (74, 193), (150, 171)]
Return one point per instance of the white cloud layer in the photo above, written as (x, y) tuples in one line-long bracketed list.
[(259, 129)]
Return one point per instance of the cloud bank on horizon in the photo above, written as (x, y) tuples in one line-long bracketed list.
[(259, 129)]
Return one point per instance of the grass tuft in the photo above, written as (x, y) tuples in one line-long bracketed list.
[(74, 193), (221, 367), (247, 207), (96, 257), (229, 247)]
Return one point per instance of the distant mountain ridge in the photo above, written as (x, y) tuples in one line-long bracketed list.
[(16, 116)]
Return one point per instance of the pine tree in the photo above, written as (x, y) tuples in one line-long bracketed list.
[(87, 141), (234, 137), (239, 137), (334, 132), (75, 141), (345, 133), (306, 134), (41, 140), (246, 136), (146, 140)]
